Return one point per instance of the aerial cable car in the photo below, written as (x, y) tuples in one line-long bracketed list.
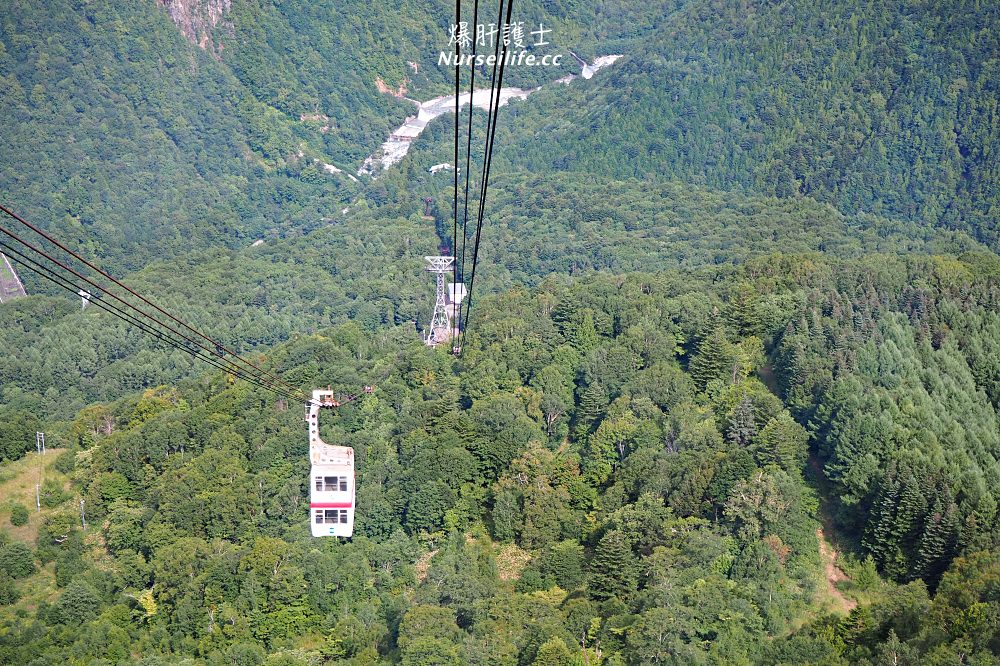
[(332, 477)]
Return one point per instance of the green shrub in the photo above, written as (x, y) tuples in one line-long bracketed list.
[(8, 593), (17, 560), (18, 515), (77, 604), (66, 462), (53, 494)]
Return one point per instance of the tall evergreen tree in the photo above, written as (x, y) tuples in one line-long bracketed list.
[(879, 539), (593, 402), (713, 360), (584, 335), (612, 569), (741, 313), (937, 543), (743, 423)]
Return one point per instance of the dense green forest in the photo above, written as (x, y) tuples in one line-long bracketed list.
[(361, 268), (136, 145), (729, 393), (131, 144), (875, 108), (878, 107), (615, 471)]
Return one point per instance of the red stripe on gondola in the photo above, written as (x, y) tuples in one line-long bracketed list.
[(331, 505)]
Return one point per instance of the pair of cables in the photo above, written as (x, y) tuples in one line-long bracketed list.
[(501, 47)]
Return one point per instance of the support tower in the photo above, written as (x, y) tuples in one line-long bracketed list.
[(449, 296), (10, 284)]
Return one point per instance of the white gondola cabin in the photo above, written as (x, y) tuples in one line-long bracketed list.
[(331, 482)]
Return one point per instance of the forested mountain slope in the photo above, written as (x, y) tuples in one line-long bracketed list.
[(615, 430), (130, 143), (324, 58), (134, 143), (119, 132), (735, 289), (881, 107), (367, 266)]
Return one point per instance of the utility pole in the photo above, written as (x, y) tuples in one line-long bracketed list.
[(40, 448), (83, 516)]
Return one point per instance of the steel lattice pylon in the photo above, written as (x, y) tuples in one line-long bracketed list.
[(10, 284), (440, 328)]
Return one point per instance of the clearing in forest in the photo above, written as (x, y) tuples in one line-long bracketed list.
[(833, 575)]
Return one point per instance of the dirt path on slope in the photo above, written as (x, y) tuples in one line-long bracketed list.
[(833, 574), (827, 553)]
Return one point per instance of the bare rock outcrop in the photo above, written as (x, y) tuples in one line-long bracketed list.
[(198, 19)]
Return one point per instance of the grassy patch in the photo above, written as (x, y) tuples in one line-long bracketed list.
[(17, 486)]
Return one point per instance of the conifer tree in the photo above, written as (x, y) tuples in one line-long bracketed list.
[(713, 358), (741, 313), (584, 335), (937, 544), (783, 442), (742, 424), (909, 517), (612, 570), (593, 402), (879, 538)]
